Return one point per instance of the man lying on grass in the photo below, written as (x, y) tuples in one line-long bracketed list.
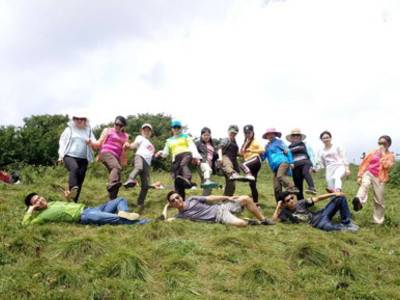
[(114, 212), (296, 211), (218, 209)]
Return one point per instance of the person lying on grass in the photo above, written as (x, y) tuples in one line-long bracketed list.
[(114, 212), (289, 208), (218, 209)]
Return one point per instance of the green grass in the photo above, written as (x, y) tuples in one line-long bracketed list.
[(189, 260)]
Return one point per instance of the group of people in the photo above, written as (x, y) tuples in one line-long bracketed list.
[(76, 151)]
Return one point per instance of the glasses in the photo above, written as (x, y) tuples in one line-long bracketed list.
[(288, 199), (172, 199), (176, 127), (80, 119), (119, 124), (382, 143)]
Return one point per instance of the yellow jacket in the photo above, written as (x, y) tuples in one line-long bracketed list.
[(253, 150)]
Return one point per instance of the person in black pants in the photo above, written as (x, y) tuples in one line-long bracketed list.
[(75, 152), (303, 162)]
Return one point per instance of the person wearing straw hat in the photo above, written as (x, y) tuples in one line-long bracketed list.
[(303, 160), (75, 153), (142, 162), (280, 161), (183, 151)]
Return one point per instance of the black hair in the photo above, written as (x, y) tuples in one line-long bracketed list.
[(247, 142), (325, 132), (28, 198), (387, 139), (121, 119), (170, 193), (204, 130), (283, 195)]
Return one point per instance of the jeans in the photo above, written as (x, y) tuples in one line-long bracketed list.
[(323, 218), (107, 213)]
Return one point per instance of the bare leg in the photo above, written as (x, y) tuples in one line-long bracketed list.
[(247, 202)]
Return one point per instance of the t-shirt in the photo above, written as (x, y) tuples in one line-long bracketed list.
[(144, 148), (300, 214), (196, 209), (56, 211), (78, 147)]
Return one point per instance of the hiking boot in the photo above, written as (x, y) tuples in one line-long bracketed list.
[(311, 191), (182, 181), (132, 216), (130, 183), (351, 227), (267, 222), (208, 184), (72, 193), (113, 190), (250, 177), (357, 204)]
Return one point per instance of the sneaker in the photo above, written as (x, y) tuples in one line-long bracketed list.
[(252, 222), (180, 180), (132, 216), (311, 191), (235, 176), (267, 222), (293, 190), (208, 184), (351, 227), (250, 177), (357, 204), (72, 193), (130, 183), (113, 190)]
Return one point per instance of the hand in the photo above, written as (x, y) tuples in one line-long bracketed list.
[(158, 154), (291, 166), (359, 180), (339, 194), (347, 172), (286, 151), (281, 204), (312, 170), (60, 161), (195, 162), (88, 142), (126, 145)]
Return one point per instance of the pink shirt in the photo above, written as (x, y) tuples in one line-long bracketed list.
[(374, 164), (114, 143)]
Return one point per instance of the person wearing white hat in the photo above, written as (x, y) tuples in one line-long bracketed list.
[(75, 152), (142, 162), (303, 160)]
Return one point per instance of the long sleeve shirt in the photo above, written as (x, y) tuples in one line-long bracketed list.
[(275, 154), (386, 162), (56, 211), (253, 150), (334, 156)]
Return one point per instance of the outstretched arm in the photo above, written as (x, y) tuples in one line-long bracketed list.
[(326, 196)]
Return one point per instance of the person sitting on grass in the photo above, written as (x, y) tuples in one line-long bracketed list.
[(218, 209), (296, 211), (114, 212)]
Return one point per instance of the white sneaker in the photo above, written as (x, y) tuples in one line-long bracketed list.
[(132, 216), (250, 177)]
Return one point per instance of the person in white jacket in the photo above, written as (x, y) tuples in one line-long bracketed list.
[(333, 159), (75, 153)]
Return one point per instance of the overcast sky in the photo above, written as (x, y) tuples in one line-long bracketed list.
[(313, 64)]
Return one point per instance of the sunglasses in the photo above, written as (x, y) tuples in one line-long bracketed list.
[(79, 119), (119, 124), (172, 199), (382, 143), (288, 199), (176, 127)]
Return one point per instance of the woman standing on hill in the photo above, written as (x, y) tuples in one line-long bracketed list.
[(251, 151), (374, 169), (74, 151), (112, 143), (303, 160), (333, 159)]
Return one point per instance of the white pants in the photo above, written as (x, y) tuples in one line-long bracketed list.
[(206, 170), (334, 175), (378, 188)]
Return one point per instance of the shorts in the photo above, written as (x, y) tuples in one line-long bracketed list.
[(225, 210)]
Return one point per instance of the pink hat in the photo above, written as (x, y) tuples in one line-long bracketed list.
[(272, 130)]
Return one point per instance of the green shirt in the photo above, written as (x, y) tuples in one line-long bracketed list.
[(56, 211)]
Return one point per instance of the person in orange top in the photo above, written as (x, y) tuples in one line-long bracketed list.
[(374, 169)]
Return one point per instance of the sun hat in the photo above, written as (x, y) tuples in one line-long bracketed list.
[(147, 125), (271, 130), (295, 131), (233, 128)]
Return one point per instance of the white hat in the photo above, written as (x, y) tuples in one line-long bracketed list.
[(147, 125)]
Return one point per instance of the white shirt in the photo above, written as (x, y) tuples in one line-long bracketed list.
[(144, 148), (335, 156)]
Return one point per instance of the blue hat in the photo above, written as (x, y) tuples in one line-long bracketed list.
[(176, 123)]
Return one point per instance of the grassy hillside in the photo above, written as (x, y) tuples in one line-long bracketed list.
[(188, 260)]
